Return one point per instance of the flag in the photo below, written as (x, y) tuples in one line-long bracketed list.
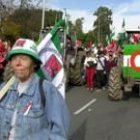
[(135, 38), (111, 36), (95, 50), (49, 51), (89, 44), (131, 61), (112, 46), (122, 34), (108, 39)]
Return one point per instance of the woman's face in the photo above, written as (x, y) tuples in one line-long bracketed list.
[(23, 67)]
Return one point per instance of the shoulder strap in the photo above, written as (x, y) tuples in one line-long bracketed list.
[(43, 99), (41, 91), (101, 63)]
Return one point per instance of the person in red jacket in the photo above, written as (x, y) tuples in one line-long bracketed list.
[(90, 63)]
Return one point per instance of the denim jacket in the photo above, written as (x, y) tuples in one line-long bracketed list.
[(40, 123)]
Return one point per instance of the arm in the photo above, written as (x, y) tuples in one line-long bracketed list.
[(58, 115), (85, 63)]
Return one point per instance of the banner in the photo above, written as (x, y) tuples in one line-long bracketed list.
[(49, 51)]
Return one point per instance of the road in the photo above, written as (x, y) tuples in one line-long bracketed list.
[(94, 117)]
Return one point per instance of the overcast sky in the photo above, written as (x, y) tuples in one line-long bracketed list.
[(122, 9)]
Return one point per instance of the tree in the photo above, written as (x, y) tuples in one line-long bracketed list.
[(3, 13), (9, 8), (90, 36), (28, 22), (102, 23), (79, 28)]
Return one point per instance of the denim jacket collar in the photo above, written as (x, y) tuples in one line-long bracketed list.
[(30, 88)]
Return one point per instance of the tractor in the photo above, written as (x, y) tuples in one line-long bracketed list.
[(126, 74), (74, 63)]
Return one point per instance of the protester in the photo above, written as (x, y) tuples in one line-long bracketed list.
[(7, 46), (70, 51), (32, 109), (90, 63), (108, 66), (100, 77)]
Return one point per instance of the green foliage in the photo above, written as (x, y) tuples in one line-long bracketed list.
[(102, 23), (14, 31), (78, 29), (27, 22), (90, 36)]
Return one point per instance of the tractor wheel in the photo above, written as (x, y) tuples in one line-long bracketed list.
[(115, 85), (76, 70)]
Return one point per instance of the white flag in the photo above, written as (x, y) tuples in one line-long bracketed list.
[(49, 52)]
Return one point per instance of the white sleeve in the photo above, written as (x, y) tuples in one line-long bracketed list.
[(95, 61), (85, 62)]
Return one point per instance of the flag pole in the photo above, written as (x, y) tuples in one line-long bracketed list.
[(64, 55), (6, 87)]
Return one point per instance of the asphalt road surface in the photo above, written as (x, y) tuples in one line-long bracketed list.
[(94, 117)]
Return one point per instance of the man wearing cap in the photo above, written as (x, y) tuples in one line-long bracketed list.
[(24, 114)]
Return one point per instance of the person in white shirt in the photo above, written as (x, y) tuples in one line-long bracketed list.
[(100, 77)]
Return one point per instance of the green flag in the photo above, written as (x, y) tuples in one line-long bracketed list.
[(108, 39), (122, 34)]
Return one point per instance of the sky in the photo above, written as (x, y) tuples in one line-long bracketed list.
[(129, 10)]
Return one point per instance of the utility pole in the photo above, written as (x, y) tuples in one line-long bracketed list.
[(41, 36), (43, 14), (99, 29)]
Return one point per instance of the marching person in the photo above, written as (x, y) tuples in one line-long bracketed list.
[(90, 63), (31, 109), (100, 75)]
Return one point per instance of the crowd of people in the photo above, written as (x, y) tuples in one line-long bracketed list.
[(97, 67)]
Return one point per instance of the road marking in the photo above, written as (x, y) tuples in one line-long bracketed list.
[(84, 107)]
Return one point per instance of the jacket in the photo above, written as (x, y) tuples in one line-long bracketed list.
[(40, 123)]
